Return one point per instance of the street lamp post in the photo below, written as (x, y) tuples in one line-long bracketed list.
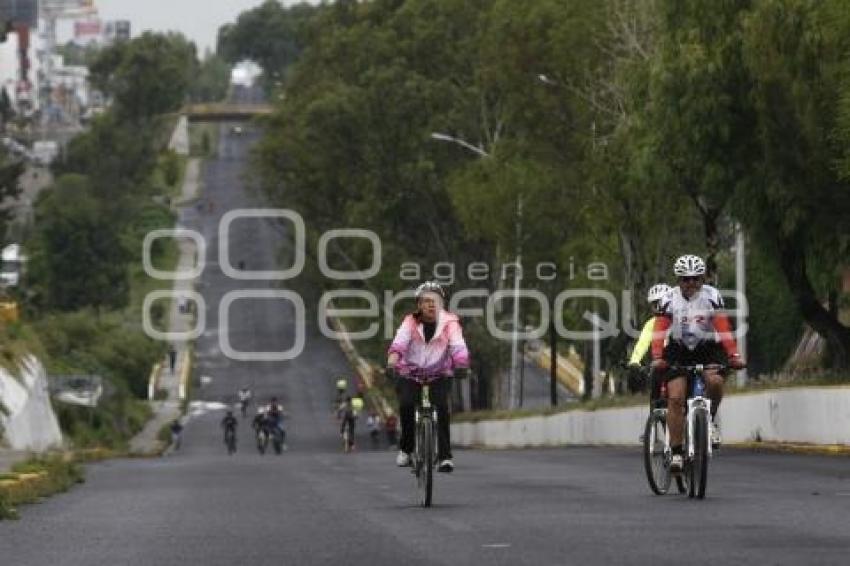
[(480, 152)]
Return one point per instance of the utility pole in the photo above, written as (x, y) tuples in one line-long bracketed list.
[(515, 335), (741, 287), (553, 359)]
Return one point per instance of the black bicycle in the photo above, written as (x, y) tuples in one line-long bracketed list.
[(424, 457), (230, 439)]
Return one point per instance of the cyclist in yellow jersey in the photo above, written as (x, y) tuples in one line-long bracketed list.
[(654, 296)]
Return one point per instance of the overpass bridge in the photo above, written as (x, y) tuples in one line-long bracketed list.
[(226, 111)]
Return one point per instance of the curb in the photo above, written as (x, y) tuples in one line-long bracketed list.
[(794, 448)]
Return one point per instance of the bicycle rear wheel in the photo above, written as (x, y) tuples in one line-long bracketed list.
[(655, 458), (698, 474), (425, 461)]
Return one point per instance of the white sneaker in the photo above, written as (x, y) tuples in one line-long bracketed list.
[(446, 466), (403, 459), (715, 435), (676, 464)]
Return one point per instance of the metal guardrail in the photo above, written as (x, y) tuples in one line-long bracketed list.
[(85, 390)]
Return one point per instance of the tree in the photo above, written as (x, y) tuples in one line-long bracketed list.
[(271, 35), (700, 110), (797, 52), (211, 81), (79, 258), (147, 76), (10, 172)]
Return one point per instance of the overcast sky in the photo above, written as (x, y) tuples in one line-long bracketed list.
[(197, 19)]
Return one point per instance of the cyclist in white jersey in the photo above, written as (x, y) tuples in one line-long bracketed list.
[(698, 332)]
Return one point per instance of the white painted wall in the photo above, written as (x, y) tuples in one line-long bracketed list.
[(31, 423), (816, 415)]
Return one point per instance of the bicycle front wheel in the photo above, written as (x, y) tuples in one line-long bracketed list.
[(655, 458), (425, 461), (698, 476)]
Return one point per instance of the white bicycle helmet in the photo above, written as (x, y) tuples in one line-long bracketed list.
[(657, 292), (689, 266), (430, 287)]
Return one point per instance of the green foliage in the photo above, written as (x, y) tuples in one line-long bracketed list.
[(77, 259), (10, 171), (80, 341), (270, 34), (147, 76), (632, 131), (36, 478), (170, 165), (212, 80), (82, 55)]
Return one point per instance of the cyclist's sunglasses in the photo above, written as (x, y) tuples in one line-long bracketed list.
[(690, 278)]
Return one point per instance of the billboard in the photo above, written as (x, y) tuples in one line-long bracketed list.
[(86, 31), (19, 12), (118, 30)]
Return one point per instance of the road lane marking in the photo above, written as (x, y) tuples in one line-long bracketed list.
[(497, 545)]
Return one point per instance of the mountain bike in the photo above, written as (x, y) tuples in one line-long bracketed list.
[(697, 437), (656, 444)]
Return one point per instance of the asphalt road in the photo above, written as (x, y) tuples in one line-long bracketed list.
[(315, 505)]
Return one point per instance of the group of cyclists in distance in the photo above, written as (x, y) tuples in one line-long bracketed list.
[(267, 424), (688, 327)]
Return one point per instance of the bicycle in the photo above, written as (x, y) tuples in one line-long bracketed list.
[(262, 440), (656, 443), (278, 438), (230, 440), (697, 438), (424, 456), (347, 434)]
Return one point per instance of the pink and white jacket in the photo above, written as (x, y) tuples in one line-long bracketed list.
[(422, 360)]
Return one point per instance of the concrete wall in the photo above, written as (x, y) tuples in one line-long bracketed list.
[(817, 415), (31, 423)]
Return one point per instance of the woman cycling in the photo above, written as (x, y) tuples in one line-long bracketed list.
[(428, 347)]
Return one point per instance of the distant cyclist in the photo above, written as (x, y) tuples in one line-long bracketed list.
[(176, 433), (348, 419), (245, 396), (428, 346), (698, 332), (373, 425), (229, 424), (274, 420)]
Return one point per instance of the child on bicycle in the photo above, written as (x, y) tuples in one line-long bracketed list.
[(428, 347)]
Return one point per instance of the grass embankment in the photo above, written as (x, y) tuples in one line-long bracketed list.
[(111, 344), (35, 479)]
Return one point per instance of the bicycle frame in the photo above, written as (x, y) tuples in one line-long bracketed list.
[(425, 410), (697, 401)]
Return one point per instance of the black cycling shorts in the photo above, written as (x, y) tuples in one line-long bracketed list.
[(676, 354)]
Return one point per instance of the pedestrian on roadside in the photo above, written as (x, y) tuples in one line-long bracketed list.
[(176, 433), (391, 428), (373, 425), (172, 357)]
